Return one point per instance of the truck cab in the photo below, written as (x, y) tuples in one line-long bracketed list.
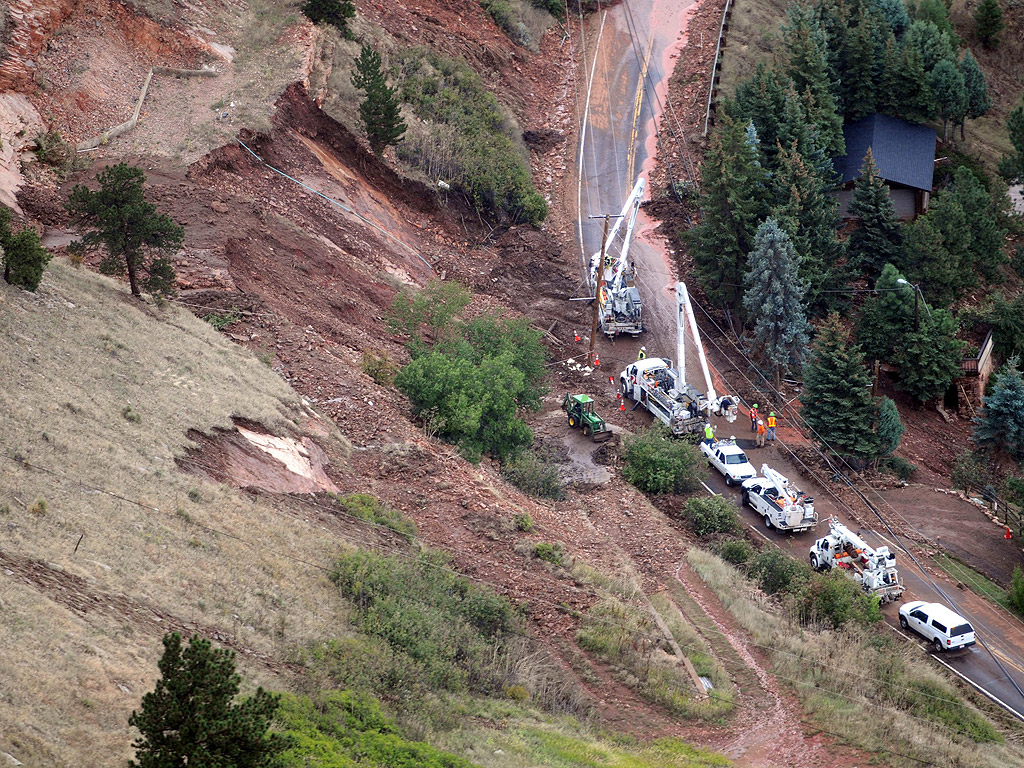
[(729, 459)]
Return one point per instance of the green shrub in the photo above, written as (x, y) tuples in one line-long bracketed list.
[(555, 7), (24, 257), (834, 599), (335, 13), (523, 522), (551, 553), (735, 551), (655, 462), (1015, 594), (711, 514), (478, 155), (970, 471), (380, 368), (443, 630), (347, 729), (774, 571), (221, 320), (899, 466), (503, 15), (531, 474), (373, 510)]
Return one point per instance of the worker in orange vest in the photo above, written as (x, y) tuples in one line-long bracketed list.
[(760, 433), (771, 426), (753, 418)]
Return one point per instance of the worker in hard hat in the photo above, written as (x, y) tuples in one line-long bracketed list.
[(642, 354), (753, 418), (771, 426), (761, 431), (709, 433)]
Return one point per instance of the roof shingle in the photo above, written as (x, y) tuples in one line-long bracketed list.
[(904, 152)]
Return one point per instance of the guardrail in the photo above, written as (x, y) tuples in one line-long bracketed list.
[(717, 64)]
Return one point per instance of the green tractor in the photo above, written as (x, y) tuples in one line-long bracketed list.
[(580, 411)]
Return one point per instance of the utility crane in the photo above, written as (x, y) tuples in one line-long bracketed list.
[(620, 309), (874, 568), (664, 391), (778, 503)]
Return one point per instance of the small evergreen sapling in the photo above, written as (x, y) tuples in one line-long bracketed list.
[(1001, 423), (988, 22), (380, 110), (24, 257)]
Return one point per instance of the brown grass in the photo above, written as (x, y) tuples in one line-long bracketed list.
[(76, 354)]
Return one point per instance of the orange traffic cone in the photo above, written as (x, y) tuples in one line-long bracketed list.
[(611, 379), (575, 336), (622, 405), (597, 361), (1007, 535)]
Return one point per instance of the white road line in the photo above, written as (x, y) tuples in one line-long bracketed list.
[(583, 138)]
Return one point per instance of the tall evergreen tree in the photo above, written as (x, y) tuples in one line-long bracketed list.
[(836, 401), (1001, 423), (774, 298), (978, 101), (950, 94), (862, 66), (833, 20), (936, 12), (988, 22), (380, 110), (984, 236), (878, 239), (931, 43), (761, 100), (929, 262), (929, 358), (895, 14), (917, 104), (809, 214), (889, 429), (128, 228), (806, 65), (733, 204), (191, 718), (890, 79), (887, 316), (1011, 166)]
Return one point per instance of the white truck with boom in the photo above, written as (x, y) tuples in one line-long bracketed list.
[(661, 389), (874, 568), (620, 308), (779, 504)]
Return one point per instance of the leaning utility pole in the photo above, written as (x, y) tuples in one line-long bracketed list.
[(598, 285)]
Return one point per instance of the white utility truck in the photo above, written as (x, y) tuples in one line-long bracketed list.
[(620, 308), (729, 459), (874, 568), (653, 383), (778, 503)]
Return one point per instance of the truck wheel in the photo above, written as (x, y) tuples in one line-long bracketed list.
[(746, 497), (728, 481), (625, 389), (938, 645), (768, 522), (814, 563), (903, 622)]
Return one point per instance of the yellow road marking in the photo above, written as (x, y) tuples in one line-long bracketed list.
[(637, 104)]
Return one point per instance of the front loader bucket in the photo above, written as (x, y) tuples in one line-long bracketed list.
[(600, 437)]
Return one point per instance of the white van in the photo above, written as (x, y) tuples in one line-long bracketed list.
[(944, 629)]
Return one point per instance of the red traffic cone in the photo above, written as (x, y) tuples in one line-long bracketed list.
[(611, 379), (1007, 535), (597, 361), (575, 336), (622, 405)]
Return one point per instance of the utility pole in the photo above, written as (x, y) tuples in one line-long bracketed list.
[(599, 284)]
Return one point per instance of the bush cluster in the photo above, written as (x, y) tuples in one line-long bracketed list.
[(656, 462), (711, 514), (551, 553), (373, 510), (735, 551), (533, 475)]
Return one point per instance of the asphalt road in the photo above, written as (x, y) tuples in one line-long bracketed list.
[(617, 146)]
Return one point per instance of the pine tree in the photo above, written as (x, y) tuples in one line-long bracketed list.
[(978, 101), (24, 257), (929, 358), (936, 12), (929, 262), (809, 214), (948, 278), (889, 429), (916, 102), (806, 65), (1011, 166), (887, 316), (380, 110), (931, 43), (950, 94), (878, 239), (890, 79), (836, 401), (733, 204), (1001, 424), (862, 67), (984, 235), (988, 22), (895, 14), (128, 228), (190, 718), (333, 12), (774, 298), (761, 100)]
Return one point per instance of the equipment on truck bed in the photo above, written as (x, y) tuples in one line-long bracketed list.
[(874, 568), (663, 391), (778, 503), (620, 308), (580, 411)]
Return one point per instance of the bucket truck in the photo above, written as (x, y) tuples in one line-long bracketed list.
[(778, 503), (874, 568), (620, 309), (664, 391)]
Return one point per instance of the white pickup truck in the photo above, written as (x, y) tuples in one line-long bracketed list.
[(778, 503), (729, 459)]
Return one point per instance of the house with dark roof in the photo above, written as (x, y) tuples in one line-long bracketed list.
[(904, 154)]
